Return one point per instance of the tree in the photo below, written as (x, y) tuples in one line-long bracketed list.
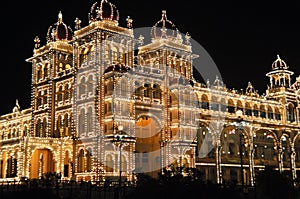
[(271, 184)]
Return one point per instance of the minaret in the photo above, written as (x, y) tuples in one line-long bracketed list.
[(282, 90)]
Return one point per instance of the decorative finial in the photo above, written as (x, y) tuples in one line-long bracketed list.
[(60, 17), (164, 19), (129, 22), (77, 23), (141, 40), (278, 56), (164, 14), (207, 83), (179, 37), (17, 103), (17, 107), (187, 38), (36, 42)]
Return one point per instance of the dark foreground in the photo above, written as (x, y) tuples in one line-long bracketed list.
[(269, 185)]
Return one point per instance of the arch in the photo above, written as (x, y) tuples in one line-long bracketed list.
[(89, 158), (270, 112), (290, 112), (264, 146), (60, 93), (114, 54), (25, 130), (44, 127), (205, 147), (285, 146), (255, 110), (89, 119), (248, 109), (262, 111), (90, 84), (204, 102), (296, 144), (239, 105), (82, 87), (38, 128), (214, 104), (277, 114), (81, 122), (42, 162), (233, 141), (230, 106), (223, 105), (80, 161)]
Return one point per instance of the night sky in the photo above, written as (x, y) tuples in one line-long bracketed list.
[(242, 37)]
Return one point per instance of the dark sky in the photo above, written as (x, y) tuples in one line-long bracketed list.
[(242, 37)]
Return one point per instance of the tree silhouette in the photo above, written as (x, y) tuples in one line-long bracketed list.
[(271, 184)]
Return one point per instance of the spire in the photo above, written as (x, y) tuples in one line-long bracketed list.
[(164, 17)]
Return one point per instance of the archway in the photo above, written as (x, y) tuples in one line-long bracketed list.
[(42, 162)]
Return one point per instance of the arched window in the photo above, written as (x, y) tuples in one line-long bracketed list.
[(39, 74), (66, 125), (67, 92), (214, 104), (39, 99), (262, 111), (248, 109), (60, 94), (38, 128), (277, 114), (239, 106), (114, 54), (270, 113), (46, 70), (89, 119), (204, 102), (90, 85), (25, 130), (89, 160), (124, 88), (80, 161), (81, 123), (255, 110), (230, 106), (45, 97), (82, 87), (223, 105), (290, 113), (44, 127)]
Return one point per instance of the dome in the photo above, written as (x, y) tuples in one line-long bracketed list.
[(164, 28), (104, 11), (279, 64), (59, 31)]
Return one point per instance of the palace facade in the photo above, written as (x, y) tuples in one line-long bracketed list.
[(97, 82)]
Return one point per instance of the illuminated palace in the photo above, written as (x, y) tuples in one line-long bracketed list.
[(98, 81)]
